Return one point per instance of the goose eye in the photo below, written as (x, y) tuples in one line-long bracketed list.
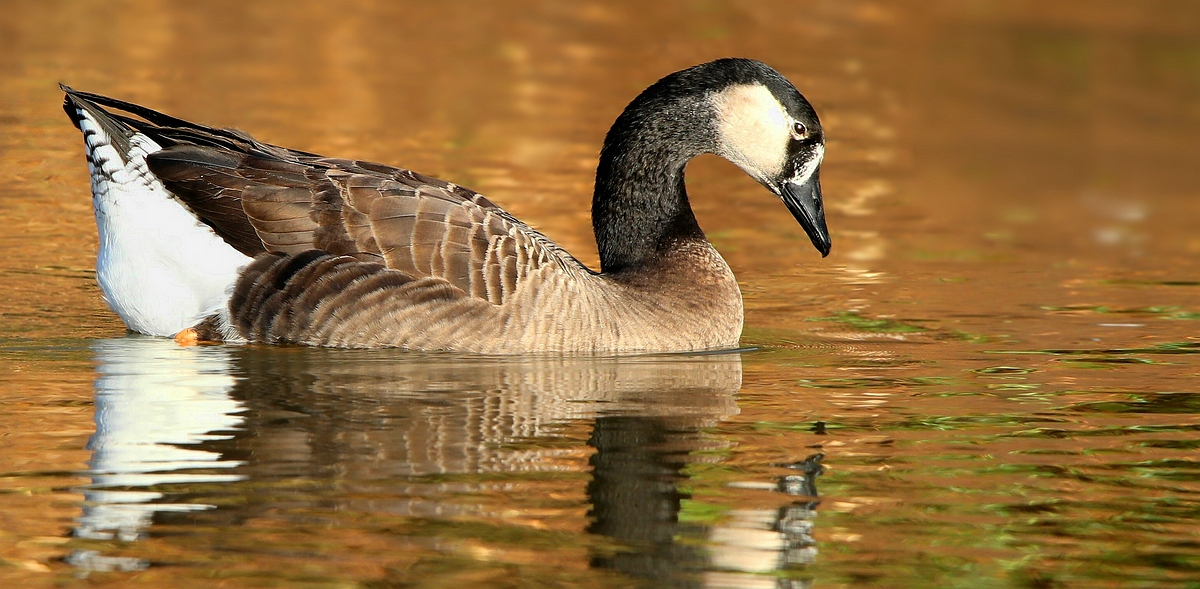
[(799, 130)]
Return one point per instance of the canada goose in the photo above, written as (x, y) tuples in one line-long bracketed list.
[(209, 229)]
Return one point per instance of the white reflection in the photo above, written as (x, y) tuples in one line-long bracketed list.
[(1121, 214), (154, 399), (752, 543)]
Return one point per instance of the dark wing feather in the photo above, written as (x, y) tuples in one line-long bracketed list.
[(207, 182), (264, 198), (428, 227)]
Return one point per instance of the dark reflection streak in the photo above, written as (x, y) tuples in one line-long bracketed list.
[(635, 498)]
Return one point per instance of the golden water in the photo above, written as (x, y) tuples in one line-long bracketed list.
[(1002, 347)]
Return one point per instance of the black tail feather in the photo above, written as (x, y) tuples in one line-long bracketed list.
[(166, 130), (119, 132), (152, 116)]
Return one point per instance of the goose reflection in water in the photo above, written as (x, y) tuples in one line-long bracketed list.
[(370, 428), (155, 404)]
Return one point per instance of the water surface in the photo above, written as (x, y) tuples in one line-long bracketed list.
[(990, 382)]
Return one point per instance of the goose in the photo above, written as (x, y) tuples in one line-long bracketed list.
[(208, 234)]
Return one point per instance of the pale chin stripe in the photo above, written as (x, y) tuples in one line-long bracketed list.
[(810, 167)]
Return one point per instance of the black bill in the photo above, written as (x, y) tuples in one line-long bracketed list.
[(804, 201)]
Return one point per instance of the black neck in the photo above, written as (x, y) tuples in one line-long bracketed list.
[(640, 205)]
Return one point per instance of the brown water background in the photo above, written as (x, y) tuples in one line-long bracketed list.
[(1002, 346)]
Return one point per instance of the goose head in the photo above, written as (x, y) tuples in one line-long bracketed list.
[(766, 127), (739, 109)]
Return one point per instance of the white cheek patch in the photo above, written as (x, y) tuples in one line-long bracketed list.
[(753, 129)]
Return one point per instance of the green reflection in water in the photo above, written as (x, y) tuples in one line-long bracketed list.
[(878, 325)]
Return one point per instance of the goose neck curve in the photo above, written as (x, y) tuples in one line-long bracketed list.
[(640, 205)]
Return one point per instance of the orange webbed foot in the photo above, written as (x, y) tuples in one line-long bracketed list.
[(187, 337)]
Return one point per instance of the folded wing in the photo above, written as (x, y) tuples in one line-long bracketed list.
[(262, 198)]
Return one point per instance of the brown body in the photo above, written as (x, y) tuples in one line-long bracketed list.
[(688, 302), (345, 253), (359, 255)]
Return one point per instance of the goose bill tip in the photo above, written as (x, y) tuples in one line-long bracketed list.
[(803, 200)]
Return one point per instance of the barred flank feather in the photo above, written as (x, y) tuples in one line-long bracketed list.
[(318, 298)]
